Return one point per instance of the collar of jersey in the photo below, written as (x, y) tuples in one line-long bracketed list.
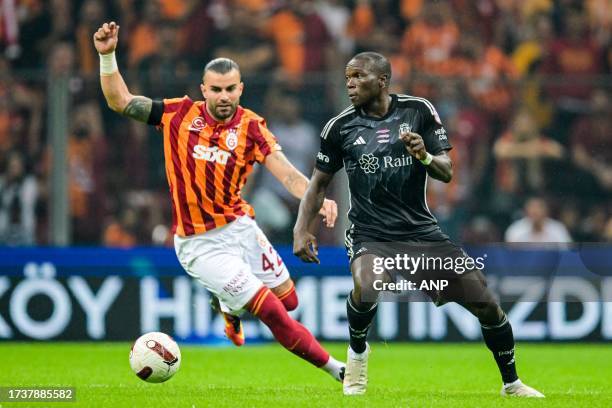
[(389, 112), (212, 122)]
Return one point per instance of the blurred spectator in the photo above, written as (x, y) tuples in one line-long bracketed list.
[(336, 17), (276, 208), (527, 57), (18, 195), (143, 38), (431, 39), (303, 47), (21, 114), (410, 9), (117, 235), (600, 19), (590, 141), (301, 39), (522, 153), (536, 226), (34, 19), (86, 169), (91, 15), (576, 56), (61, 59), (196, 34), (177, 10), (488, 71), (571, 216), (480, 230), (469, 131), (531, 49), (163, 72), (255, 54), (480, 63), (593, 225)]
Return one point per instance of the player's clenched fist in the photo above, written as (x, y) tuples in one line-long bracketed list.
[(105, 39), (414, 144)]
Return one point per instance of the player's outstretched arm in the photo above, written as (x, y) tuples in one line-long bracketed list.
[(304, 243), (116, 92), (297, 183)]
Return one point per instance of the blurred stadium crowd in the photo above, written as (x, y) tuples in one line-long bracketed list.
[(524, 88)]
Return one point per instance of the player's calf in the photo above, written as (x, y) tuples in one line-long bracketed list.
[(287, 294), (291, 334)]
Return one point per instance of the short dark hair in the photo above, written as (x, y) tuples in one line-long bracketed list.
[(378, 62), (221, 66)]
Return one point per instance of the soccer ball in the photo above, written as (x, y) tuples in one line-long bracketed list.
[(155, 357)]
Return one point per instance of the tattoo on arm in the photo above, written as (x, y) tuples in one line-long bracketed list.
[(139, 108)]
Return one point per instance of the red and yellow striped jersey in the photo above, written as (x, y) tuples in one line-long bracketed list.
[(208, 162)]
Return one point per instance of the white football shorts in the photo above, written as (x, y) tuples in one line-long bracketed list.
[(232, 262)]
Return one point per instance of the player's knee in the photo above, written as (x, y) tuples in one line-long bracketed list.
[(357, 303), (360, 288), (488, 313), (268, 308), (290, 301)]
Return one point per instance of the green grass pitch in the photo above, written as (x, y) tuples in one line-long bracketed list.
[(406, 375)]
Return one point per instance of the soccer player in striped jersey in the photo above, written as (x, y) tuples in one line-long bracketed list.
[(389, 144), (210, 148)]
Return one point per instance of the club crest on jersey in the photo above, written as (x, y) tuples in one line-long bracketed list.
[(231, 140), (197, 124), (405, 128)]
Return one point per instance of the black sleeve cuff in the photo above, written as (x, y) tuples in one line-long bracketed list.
[(157, 110)]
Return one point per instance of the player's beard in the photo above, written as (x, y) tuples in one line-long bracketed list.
[(226, 111)]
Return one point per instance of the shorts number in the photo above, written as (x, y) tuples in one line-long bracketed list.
[(266, 264)]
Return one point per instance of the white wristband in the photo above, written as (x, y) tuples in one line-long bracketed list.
[(108, 64), (427, 160)]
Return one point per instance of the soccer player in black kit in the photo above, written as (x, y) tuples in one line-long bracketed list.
[(388, 145)]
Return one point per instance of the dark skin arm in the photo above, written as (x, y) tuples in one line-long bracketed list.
[(440, 168), (304, 243)]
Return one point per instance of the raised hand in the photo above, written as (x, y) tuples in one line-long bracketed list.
[(106, 38)]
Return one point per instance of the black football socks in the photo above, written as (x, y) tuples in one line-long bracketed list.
[(359, 324), (500, 340)]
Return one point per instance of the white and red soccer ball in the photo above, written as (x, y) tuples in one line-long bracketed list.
[(155, 357)]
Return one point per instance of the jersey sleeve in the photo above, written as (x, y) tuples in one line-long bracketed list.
[(169, 108), (329, 157), (265, 141), (433, 132)]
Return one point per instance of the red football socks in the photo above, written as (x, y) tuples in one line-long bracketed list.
[(290, 333)]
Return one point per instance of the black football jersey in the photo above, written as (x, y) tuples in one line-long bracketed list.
[(387, 185)]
